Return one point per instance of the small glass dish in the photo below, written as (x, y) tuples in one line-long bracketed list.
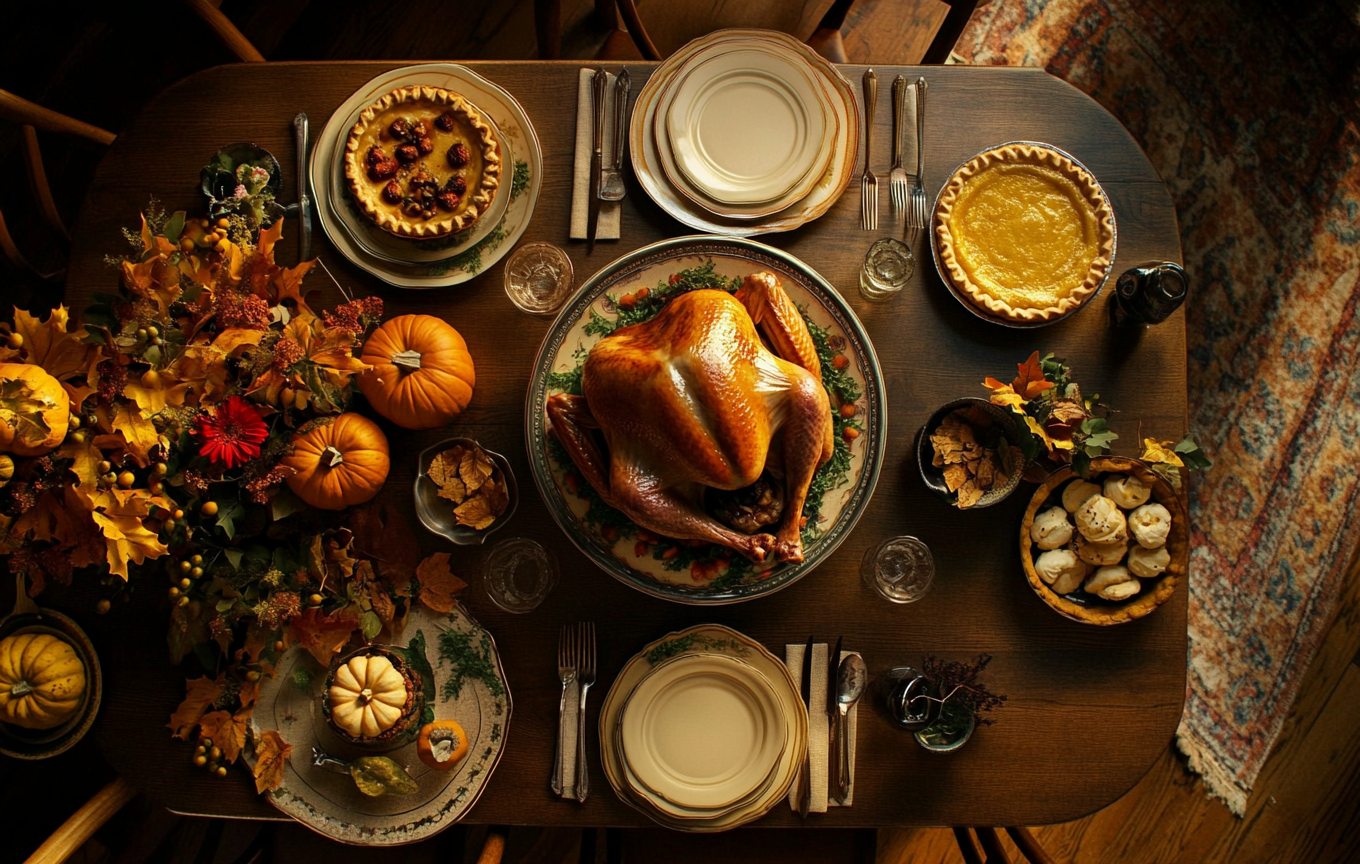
[(436, 513), (519, 574), (900, 569), (888, 267), (538, 278), (934, 477)]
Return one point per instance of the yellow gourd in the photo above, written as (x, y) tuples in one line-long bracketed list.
[(6, 469), (367, 696), (42, 680)]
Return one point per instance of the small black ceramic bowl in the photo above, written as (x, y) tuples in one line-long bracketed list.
[(925, 453)]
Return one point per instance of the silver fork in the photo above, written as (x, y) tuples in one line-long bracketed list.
[(919, 218), (566, 672), (868, 183), (586, 677), (897, 180)]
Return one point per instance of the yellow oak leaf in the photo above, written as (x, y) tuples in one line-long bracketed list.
[(127, 539), (1160, 452), (199, 695), (1003, 394), (236, 338), (227, 731), (139, 433), (271, 757)]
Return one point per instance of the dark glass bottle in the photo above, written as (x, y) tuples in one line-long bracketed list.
[(1149, 294)]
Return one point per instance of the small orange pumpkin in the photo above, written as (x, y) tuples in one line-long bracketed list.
[(422, 375), (27, 394), (340, 464)]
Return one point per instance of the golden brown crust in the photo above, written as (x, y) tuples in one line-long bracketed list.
[(1159, 590), (1033, 155), (469, 124)]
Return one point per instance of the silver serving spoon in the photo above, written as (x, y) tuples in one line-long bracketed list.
[(851, 679), (611, 181)]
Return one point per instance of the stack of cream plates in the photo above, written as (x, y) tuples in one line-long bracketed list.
[(703, 731), (745, 132)]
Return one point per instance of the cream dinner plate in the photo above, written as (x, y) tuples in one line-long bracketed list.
[(822, 156), (702, 732), (825, 191), (746, 125), (705, 639)]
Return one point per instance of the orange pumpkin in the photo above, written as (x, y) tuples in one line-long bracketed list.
[(422, 374), (29, 398), (340, 464)]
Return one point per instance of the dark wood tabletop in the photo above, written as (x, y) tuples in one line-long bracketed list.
[(1089, 708)]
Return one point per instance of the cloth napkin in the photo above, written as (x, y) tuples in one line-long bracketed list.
[(568, 739), (608, 228), (819, 726)]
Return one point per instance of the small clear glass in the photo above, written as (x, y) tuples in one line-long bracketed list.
[(900, 569), (888, 266), (538, 278), (519, 574)]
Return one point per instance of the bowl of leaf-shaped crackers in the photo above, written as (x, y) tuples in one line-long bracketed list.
[(463, 491), (967, 453)]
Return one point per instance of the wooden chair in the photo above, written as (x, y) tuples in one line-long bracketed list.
[(992, 849), (221, 25)]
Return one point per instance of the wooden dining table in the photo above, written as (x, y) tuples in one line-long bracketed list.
[(1089, 709)]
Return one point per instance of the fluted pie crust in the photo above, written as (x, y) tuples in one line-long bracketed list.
[(1024, 233), (482, 172)]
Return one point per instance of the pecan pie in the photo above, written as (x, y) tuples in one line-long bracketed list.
[(1024, 233), (422, 162)]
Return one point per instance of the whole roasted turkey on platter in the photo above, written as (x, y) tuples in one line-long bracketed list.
[(694, 400)]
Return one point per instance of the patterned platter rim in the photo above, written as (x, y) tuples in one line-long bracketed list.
[(619, 271), (294, 797), (983, 313)]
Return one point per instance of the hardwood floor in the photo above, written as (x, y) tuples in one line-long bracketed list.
[(111, 58)]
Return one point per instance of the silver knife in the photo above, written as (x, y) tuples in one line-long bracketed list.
[(597, 84), (805, 779), (833, 711), (304, 202)]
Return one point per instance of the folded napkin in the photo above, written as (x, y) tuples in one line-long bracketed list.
[(569, 741), (608, 229), (818, 726)]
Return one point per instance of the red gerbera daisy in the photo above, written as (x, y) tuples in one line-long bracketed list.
[(232, 434)]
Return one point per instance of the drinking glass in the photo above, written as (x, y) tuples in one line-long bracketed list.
[(538, 278), (900, 569), (887, 266), (519, 574)]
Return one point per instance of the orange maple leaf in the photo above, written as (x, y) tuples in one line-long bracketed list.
[(1030, 382), (226, 730), (200, 693), (438, 586), (1003, 394), (271, 757), (322, 634)]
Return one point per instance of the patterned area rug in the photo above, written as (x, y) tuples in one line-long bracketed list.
[(1249, 111)]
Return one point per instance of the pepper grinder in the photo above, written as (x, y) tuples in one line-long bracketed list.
[(1149, 294)]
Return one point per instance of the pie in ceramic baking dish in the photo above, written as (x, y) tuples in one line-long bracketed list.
[(1024, 233), (422, 162)]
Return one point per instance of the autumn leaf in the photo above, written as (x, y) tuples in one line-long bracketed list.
[(139, 433), (438, 586), (49, 344), (236, 338), (382, 533), (1003, 394), (271, 757), (126, 537), (227, 731), (1030, 382), (23, 411), (200, 693), (323, 635)]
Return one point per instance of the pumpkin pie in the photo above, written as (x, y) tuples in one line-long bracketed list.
[(422, 162), (1024, 233)]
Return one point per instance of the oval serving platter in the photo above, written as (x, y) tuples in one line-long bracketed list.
[(329, 803), (709, 574)]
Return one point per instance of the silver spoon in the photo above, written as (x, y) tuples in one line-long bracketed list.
[(611, 182), (851, 679)]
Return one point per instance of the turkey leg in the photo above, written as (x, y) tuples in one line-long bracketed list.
[(667, 511), (804, 437), (572, 423)]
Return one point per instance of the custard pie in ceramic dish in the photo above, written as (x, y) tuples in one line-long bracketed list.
[(423, 162), (1024, 233)]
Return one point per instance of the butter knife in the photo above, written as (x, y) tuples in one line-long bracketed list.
[(304, 201), (805, 779), (833, 711), (597, 85)]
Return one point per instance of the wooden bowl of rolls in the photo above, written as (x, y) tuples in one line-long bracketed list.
[(1109, 550)]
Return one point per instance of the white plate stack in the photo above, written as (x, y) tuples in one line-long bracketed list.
[(745, 132), (703, 731)]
